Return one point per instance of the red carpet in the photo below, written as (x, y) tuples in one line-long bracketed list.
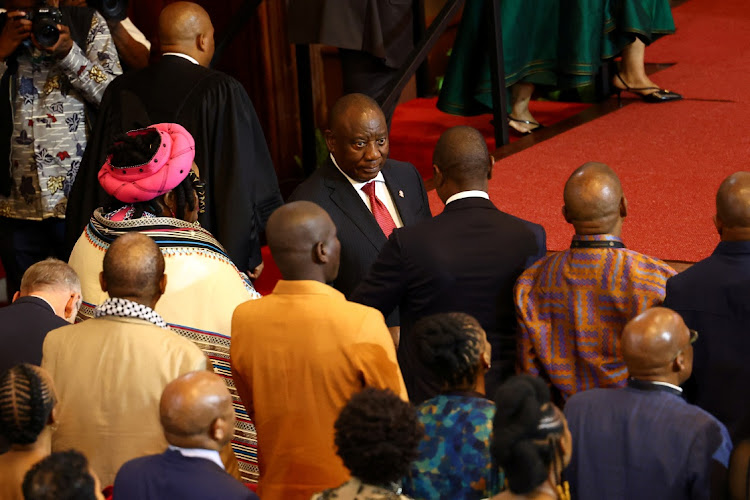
[(417, 125), (671, 157)]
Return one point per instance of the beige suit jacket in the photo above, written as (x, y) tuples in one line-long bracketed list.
[(297, 357), (109, 374)]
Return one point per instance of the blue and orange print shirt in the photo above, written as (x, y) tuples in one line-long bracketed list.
[(573, 305)]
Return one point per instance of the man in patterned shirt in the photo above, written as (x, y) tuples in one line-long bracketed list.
[(43, 125), (573, 305)]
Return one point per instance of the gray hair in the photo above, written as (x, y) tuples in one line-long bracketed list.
[(50, 274)]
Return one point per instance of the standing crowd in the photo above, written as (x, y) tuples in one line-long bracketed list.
[(400, 356)]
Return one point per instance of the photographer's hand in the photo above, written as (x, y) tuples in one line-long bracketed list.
[(63, 45), (16, 30)]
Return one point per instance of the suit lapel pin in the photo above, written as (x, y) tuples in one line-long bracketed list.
[(400, 193)]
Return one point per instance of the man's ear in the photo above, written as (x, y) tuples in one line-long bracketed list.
[(53, 418), (492, 165), (320, 253), (201, 42), (71, 307), (217, 430), (16, 296), (102, 282), (678, 364), (565, 215), (163, 283), (623, 207), (330, 140), (437, 176), (170, 200)]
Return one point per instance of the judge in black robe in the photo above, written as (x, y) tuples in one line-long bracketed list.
[(230, 149)]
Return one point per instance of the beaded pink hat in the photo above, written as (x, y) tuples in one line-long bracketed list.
[(168, 166)]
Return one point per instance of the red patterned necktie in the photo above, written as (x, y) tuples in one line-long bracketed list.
[(379, 210)]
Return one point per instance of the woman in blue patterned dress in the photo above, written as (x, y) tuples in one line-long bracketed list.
[(454, 456)]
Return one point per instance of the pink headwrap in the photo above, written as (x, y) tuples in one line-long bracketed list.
[(161, 173)]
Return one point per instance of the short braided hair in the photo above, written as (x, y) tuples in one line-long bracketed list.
[(26, 401), (450, 345), (131, 150), (377, 434)]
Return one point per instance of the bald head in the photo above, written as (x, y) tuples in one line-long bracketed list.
[(656, 346), (352, 104), (133, 269), (462, 158), (733, 202), (303, 243), (185, 27), (196, 411), (594, 201)]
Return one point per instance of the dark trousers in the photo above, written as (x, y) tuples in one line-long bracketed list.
[(26, 242), (366, 74)]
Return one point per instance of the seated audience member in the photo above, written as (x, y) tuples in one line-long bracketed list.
[(739, 472), (366, 194), (163, 203), (467, 259), (713, 297), (110, 371), (27, 421), (198, 420), (455, 348), (65, 475), (377, 434), (299, 354), (530, 441), (572, 305), (645, 441), (49, 298)]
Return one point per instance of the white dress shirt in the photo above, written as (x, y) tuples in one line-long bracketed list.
[(381, 191), (184, 56), (211, 455), (468, 194)]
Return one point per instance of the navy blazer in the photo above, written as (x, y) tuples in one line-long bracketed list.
[(713, 297), (360, 235), (644, 443), (23, 326), (172, 475), (466, 259)]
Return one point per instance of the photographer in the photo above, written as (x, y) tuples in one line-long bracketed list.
[(132, 45), (54, 64)]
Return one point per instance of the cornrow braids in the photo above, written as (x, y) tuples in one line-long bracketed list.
[(26, 401)]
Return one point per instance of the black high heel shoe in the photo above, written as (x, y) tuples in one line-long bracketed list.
[(659, 94), (527, 122)]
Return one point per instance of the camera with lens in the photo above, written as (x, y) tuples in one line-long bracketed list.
[(111, 10), (44, 21)]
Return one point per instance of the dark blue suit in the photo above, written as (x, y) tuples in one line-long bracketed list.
[(23, 326), (713, 297), (361, 237), (466, 259), (642, 444), (171, 475)]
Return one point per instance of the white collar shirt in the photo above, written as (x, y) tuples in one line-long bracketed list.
[(184, 56), (468, 194), (211, 455)]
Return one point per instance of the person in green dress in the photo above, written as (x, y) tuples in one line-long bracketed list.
[(554, 44)]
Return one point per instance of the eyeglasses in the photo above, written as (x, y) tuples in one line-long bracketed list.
[(693, 338)]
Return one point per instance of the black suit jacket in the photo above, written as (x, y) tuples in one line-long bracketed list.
[(361, 237), (230, 149), (713, 297), (383, 28), (466, 259), (23, 326), (172, 475)]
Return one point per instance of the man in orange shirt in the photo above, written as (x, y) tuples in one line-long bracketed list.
[(299, 354)]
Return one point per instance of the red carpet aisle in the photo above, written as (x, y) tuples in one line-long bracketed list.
[(671, 157), (417, 125)]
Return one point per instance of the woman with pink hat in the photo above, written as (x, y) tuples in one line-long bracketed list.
[(155, 190)]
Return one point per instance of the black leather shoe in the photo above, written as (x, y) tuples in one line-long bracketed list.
[(659, 94)]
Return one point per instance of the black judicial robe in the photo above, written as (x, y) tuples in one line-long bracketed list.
[(230, 149)]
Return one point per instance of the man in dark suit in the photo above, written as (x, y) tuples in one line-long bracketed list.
[(230, 149), (466, 259), (198, 420), (374, 38), (645, 440), (713, 296), (366, 194), (49, 298)]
